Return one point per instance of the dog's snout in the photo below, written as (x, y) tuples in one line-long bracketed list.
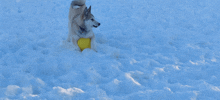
[(99, 24)]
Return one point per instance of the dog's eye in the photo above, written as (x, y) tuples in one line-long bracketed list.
[(92, 19)]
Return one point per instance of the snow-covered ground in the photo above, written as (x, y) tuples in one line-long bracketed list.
[(147, 50)]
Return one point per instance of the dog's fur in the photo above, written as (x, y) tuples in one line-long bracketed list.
[(81, 22)]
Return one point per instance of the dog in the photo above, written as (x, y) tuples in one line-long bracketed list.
[(81, 22)]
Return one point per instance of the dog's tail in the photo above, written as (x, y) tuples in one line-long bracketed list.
[(77, 3)]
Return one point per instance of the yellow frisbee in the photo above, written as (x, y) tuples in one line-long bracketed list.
[(84, 43)]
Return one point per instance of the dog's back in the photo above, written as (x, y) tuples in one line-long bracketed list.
[(75, 16)]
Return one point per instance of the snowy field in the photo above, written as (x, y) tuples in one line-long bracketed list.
[(147, 50)]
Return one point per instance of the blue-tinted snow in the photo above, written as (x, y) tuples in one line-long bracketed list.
[(147, 50)]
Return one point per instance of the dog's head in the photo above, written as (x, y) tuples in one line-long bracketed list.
[(89, 19)]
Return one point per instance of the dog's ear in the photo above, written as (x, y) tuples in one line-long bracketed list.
[(84, 13), (89, 10)]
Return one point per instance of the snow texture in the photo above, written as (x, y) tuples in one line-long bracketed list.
[(147, 50)]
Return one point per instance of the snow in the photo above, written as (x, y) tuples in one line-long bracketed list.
[(147, 50)]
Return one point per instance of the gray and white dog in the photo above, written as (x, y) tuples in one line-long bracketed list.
[(81, 22)]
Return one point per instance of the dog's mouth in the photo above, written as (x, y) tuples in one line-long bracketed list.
[(95, 26)]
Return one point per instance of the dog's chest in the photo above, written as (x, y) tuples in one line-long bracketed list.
[(86, 35)]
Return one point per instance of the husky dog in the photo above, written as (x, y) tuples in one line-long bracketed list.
[(81, 22)]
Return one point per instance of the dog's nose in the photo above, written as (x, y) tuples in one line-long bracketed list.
[(99, 24)]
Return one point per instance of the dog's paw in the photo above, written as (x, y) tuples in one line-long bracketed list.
[(78, 49)]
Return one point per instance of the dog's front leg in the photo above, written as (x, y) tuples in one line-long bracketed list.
[(75, 40), (69, 37), (93, 44), (69, 33)]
